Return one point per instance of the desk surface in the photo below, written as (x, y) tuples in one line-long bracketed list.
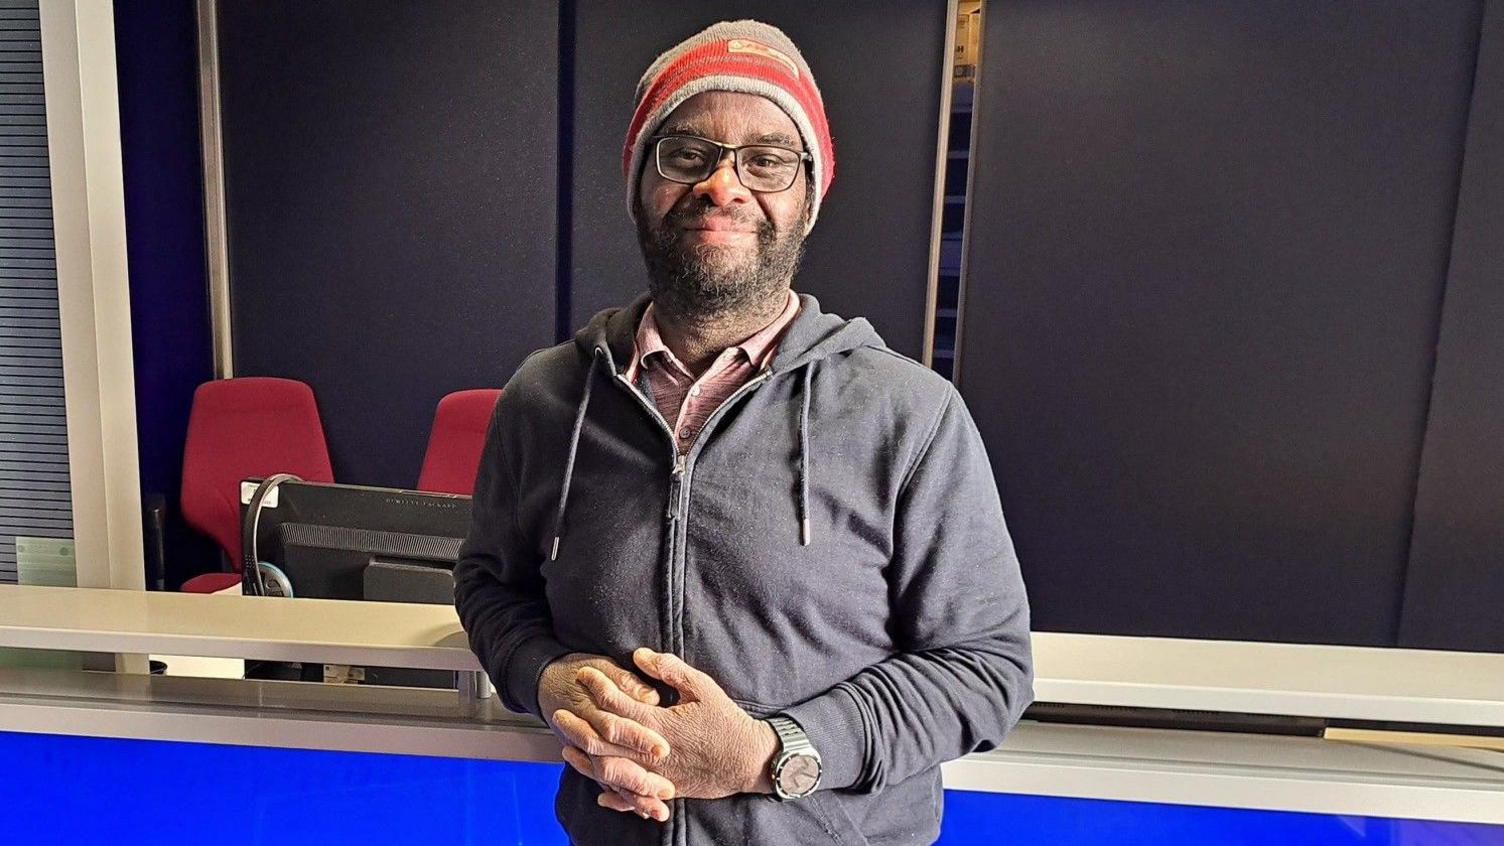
[(385, 634), (1402, 685), (1348, 682)]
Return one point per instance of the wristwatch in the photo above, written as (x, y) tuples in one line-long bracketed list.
[(796, 767)]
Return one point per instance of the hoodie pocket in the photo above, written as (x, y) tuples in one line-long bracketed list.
[(745, 818), (842, 828), (817, 818)]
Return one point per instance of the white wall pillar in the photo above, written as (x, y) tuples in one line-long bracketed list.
[(88, 201)]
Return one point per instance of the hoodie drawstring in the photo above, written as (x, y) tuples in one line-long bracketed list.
[(805, 534), (574, 445)]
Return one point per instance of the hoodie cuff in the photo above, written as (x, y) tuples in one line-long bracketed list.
[(525, 667), (833, 723)]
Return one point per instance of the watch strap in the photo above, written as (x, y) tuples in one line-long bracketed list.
[(791, 736), (793, 742)]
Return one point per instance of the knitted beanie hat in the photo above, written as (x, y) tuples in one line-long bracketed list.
[(747, 57)]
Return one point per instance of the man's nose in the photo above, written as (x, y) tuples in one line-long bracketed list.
[(722, 186)]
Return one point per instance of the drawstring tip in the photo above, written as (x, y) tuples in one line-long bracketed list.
[(554, 554), (804, 533)]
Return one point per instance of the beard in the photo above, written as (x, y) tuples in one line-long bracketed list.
[(710, 280)]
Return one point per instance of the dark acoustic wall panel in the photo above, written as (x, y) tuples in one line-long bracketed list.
[(391, 174), (879, 67), (1454, 597), (1206, 256), (156, 60)]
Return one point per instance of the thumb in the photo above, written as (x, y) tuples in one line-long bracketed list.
[(692, 684), (631, 685)]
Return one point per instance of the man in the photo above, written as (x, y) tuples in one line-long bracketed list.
[(732, 549)]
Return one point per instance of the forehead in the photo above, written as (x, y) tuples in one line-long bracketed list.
[(733, 118)]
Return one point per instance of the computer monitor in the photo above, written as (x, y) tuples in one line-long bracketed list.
[(354, 542)]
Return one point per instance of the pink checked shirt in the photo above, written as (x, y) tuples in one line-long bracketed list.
[(686, 402)]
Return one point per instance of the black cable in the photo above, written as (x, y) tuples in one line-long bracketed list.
[(250, 570)]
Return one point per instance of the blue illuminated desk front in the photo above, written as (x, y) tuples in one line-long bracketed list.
[(64, 790)]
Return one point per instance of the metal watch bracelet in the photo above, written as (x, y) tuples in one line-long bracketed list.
[(793, 743)]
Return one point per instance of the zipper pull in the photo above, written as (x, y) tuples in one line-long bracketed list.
[(676, 478)]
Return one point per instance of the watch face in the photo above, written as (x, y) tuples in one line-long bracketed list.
[(799, 775)]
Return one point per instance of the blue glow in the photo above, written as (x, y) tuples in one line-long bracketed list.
[(978, 817), (62, 790)]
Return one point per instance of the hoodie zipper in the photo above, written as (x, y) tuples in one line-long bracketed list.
[(678, 522), (680, 471)]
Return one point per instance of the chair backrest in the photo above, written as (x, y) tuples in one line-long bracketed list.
[(241, 428), (455, 442)]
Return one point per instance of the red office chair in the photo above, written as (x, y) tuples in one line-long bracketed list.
[(455, 442), (238, 429)]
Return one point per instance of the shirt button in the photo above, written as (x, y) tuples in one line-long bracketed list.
[(684, 434), (695, 391)]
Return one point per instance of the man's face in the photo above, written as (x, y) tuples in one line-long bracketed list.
[(717, 246)]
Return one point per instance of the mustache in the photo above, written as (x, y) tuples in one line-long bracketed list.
[(701, 214)]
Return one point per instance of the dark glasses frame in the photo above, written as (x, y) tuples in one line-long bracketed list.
[(805, 158)]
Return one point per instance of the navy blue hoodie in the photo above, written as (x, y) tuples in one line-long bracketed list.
[(831, 547)]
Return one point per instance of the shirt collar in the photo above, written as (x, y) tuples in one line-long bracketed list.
[(758, 347)]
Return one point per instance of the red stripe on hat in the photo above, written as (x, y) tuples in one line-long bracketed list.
[(710, 62), (715, 59), (710, 59)]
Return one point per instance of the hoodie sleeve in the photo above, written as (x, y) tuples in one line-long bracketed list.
[(498, 590), (965, 672)]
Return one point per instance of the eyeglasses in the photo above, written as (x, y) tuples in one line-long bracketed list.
[(764, 168)]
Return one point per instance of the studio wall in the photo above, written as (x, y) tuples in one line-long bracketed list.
[(157, 71), (391, 186), (1208, 245), (1454, 585)]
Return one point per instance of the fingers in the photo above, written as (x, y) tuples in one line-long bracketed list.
[(628, 682), (615, 801), (605, 733), (650, 809), (671, 669), (618, 727), (623, 774), (629, 787), (611, 698), (629, 777), (581, 762)]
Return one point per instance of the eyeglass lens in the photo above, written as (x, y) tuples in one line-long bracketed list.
[(691, 160)]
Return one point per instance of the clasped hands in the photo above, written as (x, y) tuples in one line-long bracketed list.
[(613, 730)]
